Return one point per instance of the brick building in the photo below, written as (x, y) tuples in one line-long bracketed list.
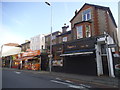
[(93, 43)]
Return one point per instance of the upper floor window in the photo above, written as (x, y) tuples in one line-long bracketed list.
[(86, 15), (53, 37), (46, 39), (88, 32), (79, 32), (64, 39)]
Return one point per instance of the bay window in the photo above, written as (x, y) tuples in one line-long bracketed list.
[(88, 32), (79, 32)]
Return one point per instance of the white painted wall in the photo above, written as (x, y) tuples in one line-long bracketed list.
[(10, 50), (37, 42)]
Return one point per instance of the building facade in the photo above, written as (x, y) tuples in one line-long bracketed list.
[(37, 42), (93, 43), (48, 39), (25, 46)]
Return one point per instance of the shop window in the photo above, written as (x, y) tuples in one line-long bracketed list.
[(86, 15), (79, 32), (88, 33), (64, 39)]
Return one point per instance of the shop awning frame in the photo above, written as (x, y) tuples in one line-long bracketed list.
[(71, 54)]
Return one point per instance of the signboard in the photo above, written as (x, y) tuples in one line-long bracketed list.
[(49, 56), (31, 53), (87, 43), (57, 63)]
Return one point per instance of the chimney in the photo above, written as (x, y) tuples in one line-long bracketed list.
[(76, 12), (64, 28)]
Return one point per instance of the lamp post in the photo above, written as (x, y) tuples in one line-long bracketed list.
[(50, 61)]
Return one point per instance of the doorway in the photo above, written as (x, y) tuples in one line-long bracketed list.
[(104, 60)]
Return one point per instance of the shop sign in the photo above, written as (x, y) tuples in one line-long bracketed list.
[(49, 56), (31, 53), (57, 63), (79, 45)]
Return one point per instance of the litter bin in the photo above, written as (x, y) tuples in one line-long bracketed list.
[(117, 70)]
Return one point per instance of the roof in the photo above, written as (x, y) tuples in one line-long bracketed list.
[(53, 33), (68, 32), (11, 44), (100, 7), (25, 43)]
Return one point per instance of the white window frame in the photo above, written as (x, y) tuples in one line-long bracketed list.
[(79, 32), (86, 31), (86, 19), (64, 39), (53, 37)]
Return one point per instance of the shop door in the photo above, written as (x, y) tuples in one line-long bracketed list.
[(105, 66), (85, 65)]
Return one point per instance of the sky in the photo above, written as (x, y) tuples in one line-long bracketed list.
[(23, 20)]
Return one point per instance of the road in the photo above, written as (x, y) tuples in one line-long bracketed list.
[(20, 79)]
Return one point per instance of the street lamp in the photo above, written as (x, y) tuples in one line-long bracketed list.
[(50, 61)]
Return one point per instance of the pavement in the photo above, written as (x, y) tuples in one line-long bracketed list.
[(98, 81)]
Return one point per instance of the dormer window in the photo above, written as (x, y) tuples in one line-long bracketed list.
[(86, 15)]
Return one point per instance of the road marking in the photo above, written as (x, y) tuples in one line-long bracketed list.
[(18, 72), (68, 81), (58, 78), (87, 86), (69, 85)]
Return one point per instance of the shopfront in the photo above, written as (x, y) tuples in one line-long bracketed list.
[(30, 60), (57, 62), (76, 57), (79, 57)]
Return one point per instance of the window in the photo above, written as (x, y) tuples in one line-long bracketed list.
[(46, 39), (88, 33), (86, 15), (60, 39), (64, 39), (79, 32), (53, 37)]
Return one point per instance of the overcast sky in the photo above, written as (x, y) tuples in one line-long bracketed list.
[(23, 20)]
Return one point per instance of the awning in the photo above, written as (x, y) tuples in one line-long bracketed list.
[(24, 58), (71, 54)]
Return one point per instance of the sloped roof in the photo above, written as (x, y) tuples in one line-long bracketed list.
[(100, 7), (68, 32), (11, 44), (53, 33)]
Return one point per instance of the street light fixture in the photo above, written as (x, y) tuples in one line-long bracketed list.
[(50, 61)]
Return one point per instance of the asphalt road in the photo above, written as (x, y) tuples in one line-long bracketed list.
[(20, 79)]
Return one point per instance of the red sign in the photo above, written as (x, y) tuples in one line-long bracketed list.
[(31, 53)]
